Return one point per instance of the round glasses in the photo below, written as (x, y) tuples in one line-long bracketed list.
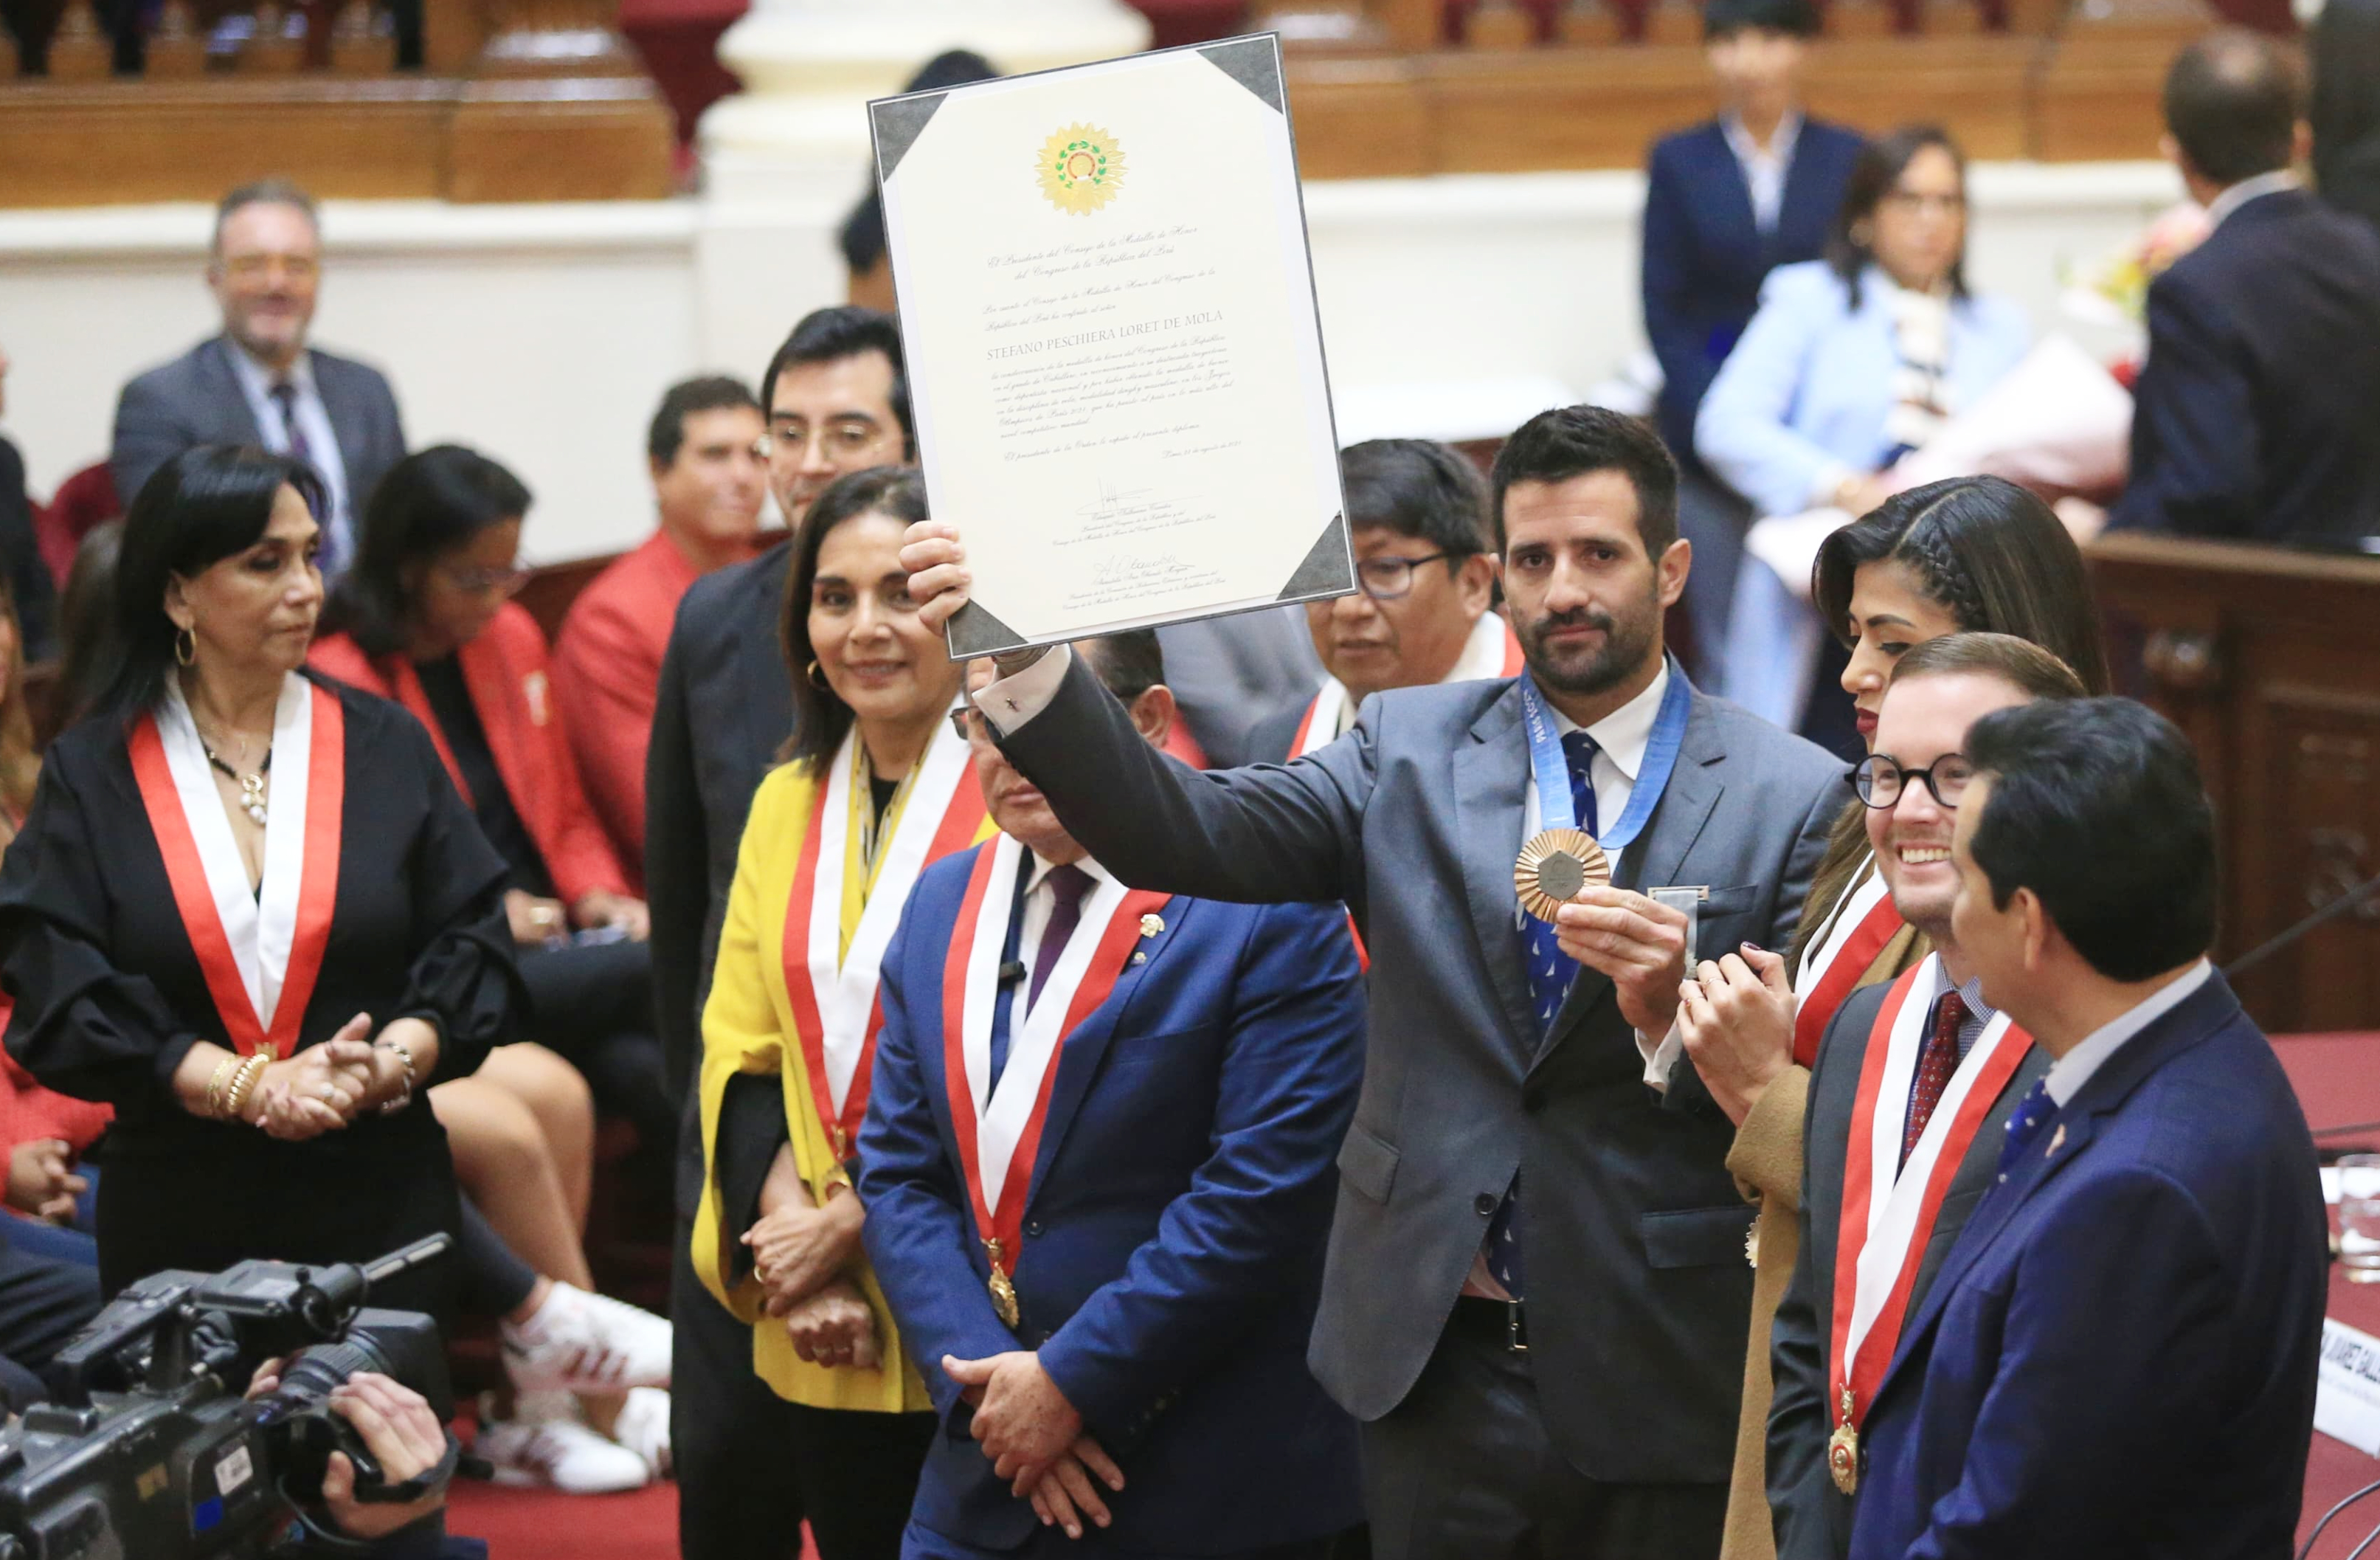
[(1879, 779)]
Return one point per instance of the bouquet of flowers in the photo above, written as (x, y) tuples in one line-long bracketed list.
[(2117, 287)]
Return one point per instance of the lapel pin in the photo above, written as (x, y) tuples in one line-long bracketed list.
[(1140, 957), (2056, 1138), (1150, 925)]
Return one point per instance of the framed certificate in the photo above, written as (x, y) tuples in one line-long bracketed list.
[(1114, 362)]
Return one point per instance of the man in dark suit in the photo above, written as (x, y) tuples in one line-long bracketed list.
[(1536, 1293), (2117, 1356), (724, 709), (1725, 204), (2252, 415), (1161, 1228), (1925, 1056), (258, 383)]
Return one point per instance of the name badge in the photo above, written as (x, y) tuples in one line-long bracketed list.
[(1687, 901), (2347, 1387)]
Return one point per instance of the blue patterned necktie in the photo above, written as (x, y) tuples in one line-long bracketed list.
[(2032, 1115), (1550, 972)]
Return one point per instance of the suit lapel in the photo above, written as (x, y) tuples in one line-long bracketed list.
[(1801, 204), (346, 422), (225, 393), (1078, 1062), (752, 660), (1490, 785)]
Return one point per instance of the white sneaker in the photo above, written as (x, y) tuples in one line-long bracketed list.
[(559, 1453), (579, 1342), (643, 1428)]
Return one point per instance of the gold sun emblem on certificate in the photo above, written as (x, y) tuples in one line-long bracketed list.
[(1081, 168)]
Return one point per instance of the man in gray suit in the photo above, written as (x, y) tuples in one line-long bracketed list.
[(1537, 1291), (1951, 1073), (258, 383)]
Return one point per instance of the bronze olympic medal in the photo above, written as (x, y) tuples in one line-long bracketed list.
[(1554, 866)]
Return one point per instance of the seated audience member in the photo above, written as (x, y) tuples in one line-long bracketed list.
[(258, 382), (1130, 1334), (1925, 1055), (1852, 362), (1411, 505), (1968, 556), (2254, 415), (1726, 202), (2118, 1356), (44, 1301), (27, 577), (705, 453), (877, 787), (424, 618), (837, 404), (2345, 115)]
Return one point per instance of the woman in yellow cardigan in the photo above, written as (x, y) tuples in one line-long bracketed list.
[(877, 786)]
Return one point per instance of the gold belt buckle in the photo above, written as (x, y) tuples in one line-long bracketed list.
[(1516, 1328)]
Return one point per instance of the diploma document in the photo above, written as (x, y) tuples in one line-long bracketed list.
[(1114, 364)]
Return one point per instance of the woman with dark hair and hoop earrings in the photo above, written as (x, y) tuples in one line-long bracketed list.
[(878, 786), (1971, 555), (1852, 362), (248, 911)]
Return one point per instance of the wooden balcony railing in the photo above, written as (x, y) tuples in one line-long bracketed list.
[(131, 101), (1382, 91)]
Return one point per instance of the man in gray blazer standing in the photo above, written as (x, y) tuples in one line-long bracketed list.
[(258, 383), (1536, 1286)]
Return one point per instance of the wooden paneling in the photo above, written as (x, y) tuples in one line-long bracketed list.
[(2269, 659)]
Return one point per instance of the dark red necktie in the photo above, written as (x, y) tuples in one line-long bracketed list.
[(1067, 886), (1935, 1065)]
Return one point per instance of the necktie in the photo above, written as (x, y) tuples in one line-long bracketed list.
[(1551, 972), (2031, 1116), (285, 400), (1067, 886), (1935, 1065)]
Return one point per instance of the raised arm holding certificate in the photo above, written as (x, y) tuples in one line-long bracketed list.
[(1113, 353)]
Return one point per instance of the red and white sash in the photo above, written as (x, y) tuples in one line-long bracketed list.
[(1889, 1208), (833, 992), (1863, 922), (259, 951), (1490, 652), (999, 1126)]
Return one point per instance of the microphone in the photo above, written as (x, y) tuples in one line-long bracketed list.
[(1012, 972), (2271, 945)]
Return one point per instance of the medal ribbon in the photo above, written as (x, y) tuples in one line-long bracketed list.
[(319, 738), (1553, 774), (1864, 922), (1880, 1239), (999, 1125), (833, 989)]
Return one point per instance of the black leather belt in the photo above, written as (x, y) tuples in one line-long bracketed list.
[(1504, 1323)]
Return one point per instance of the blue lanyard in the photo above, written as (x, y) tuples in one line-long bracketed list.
[(1546, 766)]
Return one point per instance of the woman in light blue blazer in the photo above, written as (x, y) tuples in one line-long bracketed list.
[(1852, 362)]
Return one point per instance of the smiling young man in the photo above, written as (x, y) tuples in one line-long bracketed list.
[(1535, 1298), (1425, 572), (1910, 1085)]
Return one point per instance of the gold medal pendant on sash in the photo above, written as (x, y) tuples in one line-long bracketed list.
[(1843, 1450), (1004, 1293)]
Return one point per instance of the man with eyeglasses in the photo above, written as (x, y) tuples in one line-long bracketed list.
[(258, 383), (704, 451), (1418, 517), (836, 402), (1913, 1083)]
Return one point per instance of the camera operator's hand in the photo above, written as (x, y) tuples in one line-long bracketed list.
[(41, 1181), (398, 1428)]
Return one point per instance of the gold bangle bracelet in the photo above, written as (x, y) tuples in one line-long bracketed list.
[(243, 1083), (224, 1070)]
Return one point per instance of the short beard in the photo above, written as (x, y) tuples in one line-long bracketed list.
[(1627, 644)]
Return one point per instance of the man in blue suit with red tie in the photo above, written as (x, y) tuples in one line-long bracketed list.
[(1726, 202), (2118, 1356), (1098, 1172)]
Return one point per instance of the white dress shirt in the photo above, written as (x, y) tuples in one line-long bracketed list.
[(1482, 657), (2071, 1071), (1764, 167), (313, 419)]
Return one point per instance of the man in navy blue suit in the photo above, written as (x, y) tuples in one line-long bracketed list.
[(2118, 1356), (1725, 204), (2252, 416), (1098, 1172)]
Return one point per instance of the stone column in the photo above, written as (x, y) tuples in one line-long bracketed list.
[(784, 160)]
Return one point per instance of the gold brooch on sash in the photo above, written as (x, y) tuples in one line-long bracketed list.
[(1554, 866), (1842, 1451), (1004, 1293), (1150, 925)]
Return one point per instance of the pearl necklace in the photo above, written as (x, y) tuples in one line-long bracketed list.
[(251, 785)]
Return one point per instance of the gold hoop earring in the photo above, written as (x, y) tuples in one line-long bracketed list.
[(818, 679), (185, 646)]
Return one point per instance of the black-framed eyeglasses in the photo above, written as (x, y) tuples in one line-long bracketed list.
[(967, 721), (1880, 779), (1386, 578)]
